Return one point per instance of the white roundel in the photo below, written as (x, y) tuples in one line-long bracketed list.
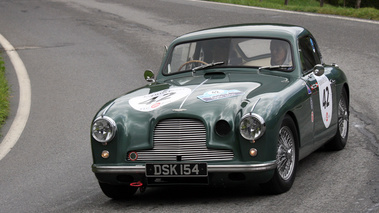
[(326, 101), (156, 100)]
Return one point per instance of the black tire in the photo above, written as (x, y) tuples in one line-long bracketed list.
[(339, 140), (287, 158), (118, 191)]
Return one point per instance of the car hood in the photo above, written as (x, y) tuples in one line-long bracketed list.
[(202, 96)]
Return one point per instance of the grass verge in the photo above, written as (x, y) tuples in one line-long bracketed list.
[(311, 6), (4, 94)]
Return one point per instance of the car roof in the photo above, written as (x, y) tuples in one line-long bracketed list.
[(288, 32)]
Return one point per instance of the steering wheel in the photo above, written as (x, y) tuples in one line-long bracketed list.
[(192, 61)]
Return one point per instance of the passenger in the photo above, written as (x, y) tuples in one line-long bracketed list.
[(280, 53)]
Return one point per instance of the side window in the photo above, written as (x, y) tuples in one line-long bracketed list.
[(309, 54), (316, 51)]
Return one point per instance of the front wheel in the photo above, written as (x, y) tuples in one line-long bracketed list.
[(118, 191), (286, 159)]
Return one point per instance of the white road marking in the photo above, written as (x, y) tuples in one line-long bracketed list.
[(23, 110), (291, 12)]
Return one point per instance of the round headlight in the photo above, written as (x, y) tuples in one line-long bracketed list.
[(103, 129), (252, 126)]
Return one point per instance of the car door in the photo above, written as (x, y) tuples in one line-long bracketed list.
[(320, 90)]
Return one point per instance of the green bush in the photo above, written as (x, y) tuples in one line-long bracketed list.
[(4, 94)]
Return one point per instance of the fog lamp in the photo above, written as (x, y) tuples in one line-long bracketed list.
[(253, 152), (105, 154), (133, 156)]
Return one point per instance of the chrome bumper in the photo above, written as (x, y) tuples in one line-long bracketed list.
[(211, 168)]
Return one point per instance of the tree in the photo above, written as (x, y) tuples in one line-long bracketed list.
[(358, 4), (321, 3), (286, 2)]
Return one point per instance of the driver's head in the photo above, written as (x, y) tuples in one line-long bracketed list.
[(219, 51)]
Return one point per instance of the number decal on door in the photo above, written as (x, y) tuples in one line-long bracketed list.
[(325, 95)]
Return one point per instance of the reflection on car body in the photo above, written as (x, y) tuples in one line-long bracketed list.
[(230, 105)]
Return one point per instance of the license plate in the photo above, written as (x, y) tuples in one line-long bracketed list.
[(176, 170)]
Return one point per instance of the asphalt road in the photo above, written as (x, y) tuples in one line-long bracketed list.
[(80, 54)]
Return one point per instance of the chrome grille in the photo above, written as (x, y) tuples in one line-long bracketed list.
[(182, 139)]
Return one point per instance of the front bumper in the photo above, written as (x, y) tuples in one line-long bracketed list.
[(218, 175)]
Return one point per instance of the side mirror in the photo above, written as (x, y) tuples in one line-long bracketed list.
[(149, 76), (318, 70)]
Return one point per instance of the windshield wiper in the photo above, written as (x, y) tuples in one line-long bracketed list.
[(207, 66), (275, 67)]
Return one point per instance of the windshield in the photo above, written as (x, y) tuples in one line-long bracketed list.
[(232, 52)]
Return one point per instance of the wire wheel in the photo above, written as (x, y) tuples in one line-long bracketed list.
[(343, 117), (285, 157)]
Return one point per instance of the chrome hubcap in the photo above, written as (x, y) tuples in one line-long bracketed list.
[(285, 158)]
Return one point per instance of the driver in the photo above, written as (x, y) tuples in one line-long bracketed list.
[(217, 51)]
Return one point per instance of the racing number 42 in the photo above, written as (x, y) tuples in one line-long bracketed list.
[(325, 98)]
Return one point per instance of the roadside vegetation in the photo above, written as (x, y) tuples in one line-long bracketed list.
[(347, 8), (4, 94)]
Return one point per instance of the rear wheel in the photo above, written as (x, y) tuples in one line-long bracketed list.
[(118, 191), (286, 159), (340, 139)]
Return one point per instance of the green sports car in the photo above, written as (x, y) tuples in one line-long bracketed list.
[(237, 104)]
